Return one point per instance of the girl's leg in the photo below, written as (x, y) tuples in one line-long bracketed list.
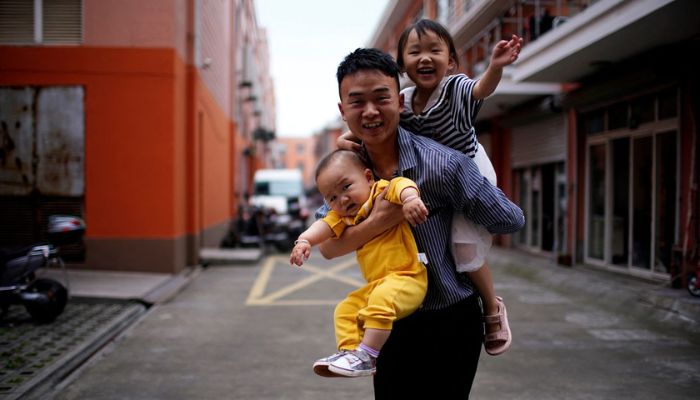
[(498, 335), (483, 280)]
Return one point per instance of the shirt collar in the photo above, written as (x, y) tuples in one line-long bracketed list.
[(407, 154), (409, 92)]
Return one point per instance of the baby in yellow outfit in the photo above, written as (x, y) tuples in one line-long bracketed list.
[(396, 280)]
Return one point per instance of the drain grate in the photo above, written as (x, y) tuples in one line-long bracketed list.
[(29, 351)]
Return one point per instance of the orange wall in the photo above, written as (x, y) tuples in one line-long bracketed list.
[(215, 145), (136, 133)]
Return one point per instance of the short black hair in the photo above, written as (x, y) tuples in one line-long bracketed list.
[(368, 59), (421, 27), (336, 155)]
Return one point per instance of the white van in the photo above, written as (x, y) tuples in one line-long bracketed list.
[(279, 189)]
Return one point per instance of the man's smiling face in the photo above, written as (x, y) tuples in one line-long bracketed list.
[(370, 104)]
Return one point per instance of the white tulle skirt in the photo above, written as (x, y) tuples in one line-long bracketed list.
[(471, 242)]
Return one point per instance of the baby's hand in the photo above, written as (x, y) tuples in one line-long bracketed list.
[(415, 211), (300, 253), (348, 141)]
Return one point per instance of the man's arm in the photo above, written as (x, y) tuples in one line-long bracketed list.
[(384, 216), (481, 201)]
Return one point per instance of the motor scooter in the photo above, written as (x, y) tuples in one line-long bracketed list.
[(20, 281), (257, 226)]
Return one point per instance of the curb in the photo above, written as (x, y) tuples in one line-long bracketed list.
[(167, 290), (247, 256)]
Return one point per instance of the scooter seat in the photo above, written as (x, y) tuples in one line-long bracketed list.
[(10, 253)]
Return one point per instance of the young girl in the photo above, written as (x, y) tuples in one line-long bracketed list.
[(444, 107), (396, 280)]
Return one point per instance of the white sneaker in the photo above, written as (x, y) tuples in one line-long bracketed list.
[(354, 364), (321, 365)]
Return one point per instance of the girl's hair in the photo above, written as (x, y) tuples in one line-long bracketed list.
[(421, 27), (339, 154)]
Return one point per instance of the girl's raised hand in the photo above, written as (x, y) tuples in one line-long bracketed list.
[(506, 52)]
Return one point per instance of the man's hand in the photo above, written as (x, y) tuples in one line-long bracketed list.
[(506, 52), (348, 141), (385, 214), (415, 211)]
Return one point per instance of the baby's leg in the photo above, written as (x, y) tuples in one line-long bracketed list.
[(395, 297), (348, 330)]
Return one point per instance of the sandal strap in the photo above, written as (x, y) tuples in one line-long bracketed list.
[(493, 319), (496, 336)]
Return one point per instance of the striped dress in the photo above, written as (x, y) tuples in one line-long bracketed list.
[(449, 115)]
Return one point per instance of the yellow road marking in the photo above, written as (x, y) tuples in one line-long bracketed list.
[(258, 297)]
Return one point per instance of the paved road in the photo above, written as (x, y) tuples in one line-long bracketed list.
[(252, 332)]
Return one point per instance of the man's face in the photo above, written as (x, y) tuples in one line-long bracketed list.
[(370, 104)]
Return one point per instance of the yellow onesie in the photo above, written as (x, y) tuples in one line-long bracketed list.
[(396, 280)]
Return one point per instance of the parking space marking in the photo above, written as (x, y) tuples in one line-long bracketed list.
[(258, 297)]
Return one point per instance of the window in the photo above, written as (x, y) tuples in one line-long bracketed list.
[(617, 116), (632, 195), (301, 149), (541, 191), (41, 21), (594, 122), (596, 201), (642, 111), (668, 104)]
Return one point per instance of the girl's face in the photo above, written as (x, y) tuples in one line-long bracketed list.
[(427, 59), (345, 187)]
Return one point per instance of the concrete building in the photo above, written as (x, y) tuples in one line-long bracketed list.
[(593, 130), (138, 116), (297, 152)]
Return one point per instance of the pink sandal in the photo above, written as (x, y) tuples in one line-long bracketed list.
[(502, 335)]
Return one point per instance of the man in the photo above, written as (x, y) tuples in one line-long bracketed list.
[(434, 352)]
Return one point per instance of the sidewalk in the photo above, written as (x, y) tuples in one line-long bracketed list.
[(617, 292), (102, 305)]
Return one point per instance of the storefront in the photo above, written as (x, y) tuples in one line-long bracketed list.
[(632, 164), (539, 182)]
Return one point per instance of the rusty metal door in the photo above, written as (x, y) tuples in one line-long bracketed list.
[(42, 153)]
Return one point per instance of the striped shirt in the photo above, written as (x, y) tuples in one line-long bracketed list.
[(449, 115), (448, 181)]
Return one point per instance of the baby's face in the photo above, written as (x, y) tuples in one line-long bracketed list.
[(345, 187)]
